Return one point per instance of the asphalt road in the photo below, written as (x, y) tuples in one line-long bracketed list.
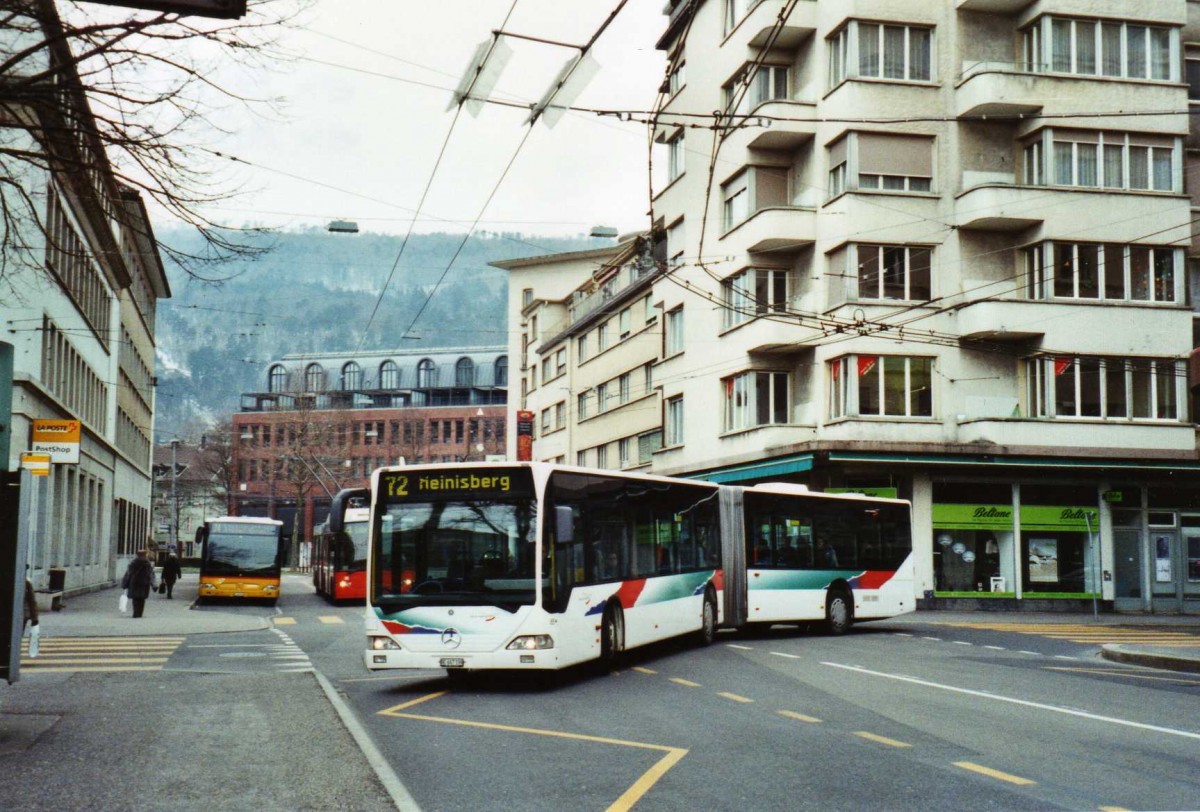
[(990, 714), (931, 712)]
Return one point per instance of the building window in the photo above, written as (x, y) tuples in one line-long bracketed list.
[(675, 242), (674, 421), (601, 397), (881, 162), (677, 78), (560, 415), (648, 443), (676, 158), (546, 370), (1100, 48), (1108, 271), (526, 297), (881, 386), (648, 378), (581, 458), (625, 322), (314, 378), (755, 399), (426, 374), (736, 197), (601, 456), (277, 379), (735, 11), (581, 405), (623, 387), (753, 293), (502, 371), (351, 376), (894, 272), (389, 375), (560, 361), (545, 420), (755, 86), (623, 447), (1095, 159), (875, 51), (464, 372), (581, 347), (602, 337), (673, 335), (1082, 386)]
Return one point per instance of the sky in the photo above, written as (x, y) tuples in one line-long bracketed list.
[(365, 116)]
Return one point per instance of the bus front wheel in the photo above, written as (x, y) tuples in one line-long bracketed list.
[(839, 612), (612, 635)]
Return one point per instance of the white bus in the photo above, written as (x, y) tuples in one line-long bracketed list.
[(540, 566)]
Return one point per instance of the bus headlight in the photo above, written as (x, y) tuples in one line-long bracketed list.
[(382, 644), (531, 642)]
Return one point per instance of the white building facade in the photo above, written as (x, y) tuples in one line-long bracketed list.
[(79, 298), (941, 251)]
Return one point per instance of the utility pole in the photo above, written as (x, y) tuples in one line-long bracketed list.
[(175, 496)]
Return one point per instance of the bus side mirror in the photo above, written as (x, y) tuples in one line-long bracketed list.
[(200, 535), (564, 524), (341, 501)]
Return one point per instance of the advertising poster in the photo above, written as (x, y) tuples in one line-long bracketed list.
[(1043, 560), (1162, 559)]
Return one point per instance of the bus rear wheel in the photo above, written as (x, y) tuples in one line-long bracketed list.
[(612, 635), (839, 612), (708, 620)]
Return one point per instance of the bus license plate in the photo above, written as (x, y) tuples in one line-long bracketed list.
[(239, 594), (452, 662)]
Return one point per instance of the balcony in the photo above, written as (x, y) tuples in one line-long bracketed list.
[(789, 124), (759, 23), (994, 6), (1167, 440), (1010, 89), (774, 335), (774, 229), (1082, 213), (1105, 328)]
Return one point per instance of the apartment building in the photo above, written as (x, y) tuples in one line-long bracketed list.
[(589, 338), (325, 421), (79, 283), (938, 251)]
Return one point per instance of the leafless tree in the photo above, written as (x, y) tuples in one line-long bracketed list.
[(111, 99)]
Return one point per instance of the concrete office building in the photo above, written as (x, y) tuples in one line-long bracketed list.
[(939, 251)]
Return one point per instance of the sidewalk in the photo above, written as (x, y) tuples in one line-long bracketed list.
[(95, 614), (1184, 656)]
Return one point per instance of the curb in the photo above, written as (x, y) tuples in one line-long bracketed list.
[(1163, 660)]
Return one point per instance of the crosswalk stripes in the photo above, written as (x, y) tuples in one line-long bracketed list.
[(58, 654), (287, 656), (1094, 635)]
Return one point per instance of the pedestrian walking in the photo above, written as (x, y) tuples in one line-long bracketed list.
[(138, 582), (171, 571), (31, 617)]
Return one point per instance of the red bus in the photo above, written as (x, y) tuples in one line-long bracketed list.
[(339, 558)]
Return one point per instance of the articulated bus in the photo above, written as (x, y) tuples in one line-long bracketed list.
[(241, 557), (339, 560), (541, 566)]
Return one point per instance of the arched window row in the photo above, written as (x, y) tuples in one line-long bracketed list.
[(390, 375)]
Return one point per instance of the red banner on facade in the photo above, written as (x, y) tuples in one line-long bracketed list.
[(524, 436)]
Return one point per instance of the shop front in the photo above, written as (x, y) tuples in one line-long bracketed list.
[(1156, 549)]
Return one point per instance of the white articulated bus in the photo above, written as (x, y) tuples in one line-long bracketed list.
[(539, 566)]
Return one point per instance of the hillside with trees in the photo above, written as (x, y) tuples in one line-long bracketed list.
[(314, 291)]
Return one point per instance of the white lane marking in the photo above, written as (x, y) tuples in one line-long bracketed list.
[(902, 634), (740, 648), (962, 643), (934, 639), (1034, 653), (996, 648), (1187, 734), (789, 656)]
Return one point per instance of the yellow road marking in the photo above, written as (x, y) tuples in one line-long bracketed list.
[(734, 697), (988, 771), (799, 717), (1113, 809), (687, 683), (628, 798), (331, 619), (85, 668), (93, 660), (642, 670), (1113, 672), (862, 734), (285, 621)]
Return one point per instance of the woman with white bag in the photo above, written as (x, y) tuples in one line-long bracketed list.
[(138, 582)]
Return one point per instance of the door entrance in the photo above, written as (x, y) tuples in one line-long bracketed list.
[(1175, 568), (1128, 592)]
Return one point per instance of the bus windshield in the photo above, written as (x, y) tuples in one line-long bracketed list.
[(241, 549), (441, 545), (353, 555)]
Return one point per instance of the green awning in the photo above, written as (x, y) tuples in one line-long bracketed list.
[(758, 470), (1010, 462)]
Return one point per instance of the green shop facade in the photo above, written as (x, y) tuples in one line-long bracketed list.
[(1026, 533)]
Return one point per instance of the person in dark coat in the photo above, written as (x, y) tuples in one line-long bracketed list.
[(139, 582), (171, 571), (31, 613)]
